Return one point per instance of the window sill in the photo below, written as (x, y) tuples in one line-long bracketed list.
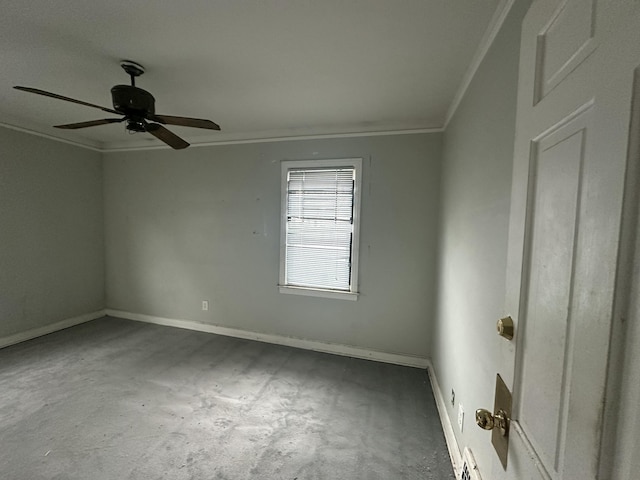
[(317, 292)]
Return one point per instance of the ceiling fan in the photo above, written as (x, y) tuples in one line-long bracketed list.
[(137, 106)]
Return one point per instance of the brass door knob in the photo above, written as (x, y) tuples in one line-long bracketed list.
[(488, 421)]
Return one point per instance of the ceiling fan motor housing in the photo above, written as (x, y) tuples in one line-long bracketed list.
[(134, 101)]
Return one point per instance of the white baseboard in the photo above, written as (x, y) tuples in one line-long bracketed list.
[(47, 329), (337, 349), (447, 426)]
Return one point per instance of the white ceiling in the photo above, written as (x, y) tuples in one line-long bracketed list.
[(259, 68)]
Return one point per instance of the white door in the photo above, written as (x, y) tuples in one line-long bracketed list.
[(577, 66)]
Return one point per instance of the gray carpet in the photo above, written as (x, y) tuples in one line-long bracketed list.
[(115, 399)]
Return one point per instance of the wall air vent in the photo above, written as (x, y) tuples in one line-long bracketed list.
[(469, 469)]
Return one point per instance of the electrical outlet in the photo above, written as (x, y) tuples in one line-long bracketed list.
[(453, 398), (205, 305), (460, 416)]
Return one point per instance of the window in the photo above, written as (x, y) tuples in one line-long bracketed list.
[(319, 231)]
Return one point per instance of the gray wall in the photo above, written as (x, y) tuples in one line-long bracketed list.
[(51, 232), (476, 186), (204, 224)]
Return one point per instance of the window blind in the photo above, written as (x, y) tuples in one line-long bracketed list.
[(319, 228)]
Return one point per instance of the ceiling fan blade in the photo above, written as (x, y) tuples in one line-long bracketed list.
[(92, 123), (184, 121), (165, 135), (67, 99)]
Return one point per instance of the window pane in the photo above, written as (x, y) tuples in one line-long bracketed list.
[(319, 233), (318, 267), (319, 228)]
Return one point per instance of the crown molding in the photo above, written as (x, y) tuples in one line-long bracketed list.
[(274, 137), (499, 16), (37, 133), (229, 139)]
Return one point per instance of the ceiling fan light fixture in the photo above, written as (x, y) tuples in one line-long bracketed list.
[(135, 126)]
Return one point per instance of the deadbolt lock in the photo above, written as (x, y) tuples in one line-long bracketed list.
[(505, 328), (498, 420)]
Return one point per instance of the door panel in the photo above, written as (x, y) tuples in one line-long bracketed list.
[(548, 338), (564, 43)]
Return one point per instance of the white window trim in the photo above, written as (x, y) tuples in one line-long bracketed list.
[(286, 165)]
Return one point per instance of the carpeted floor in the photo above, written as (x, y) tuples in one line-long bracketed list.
[(115, 399)]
